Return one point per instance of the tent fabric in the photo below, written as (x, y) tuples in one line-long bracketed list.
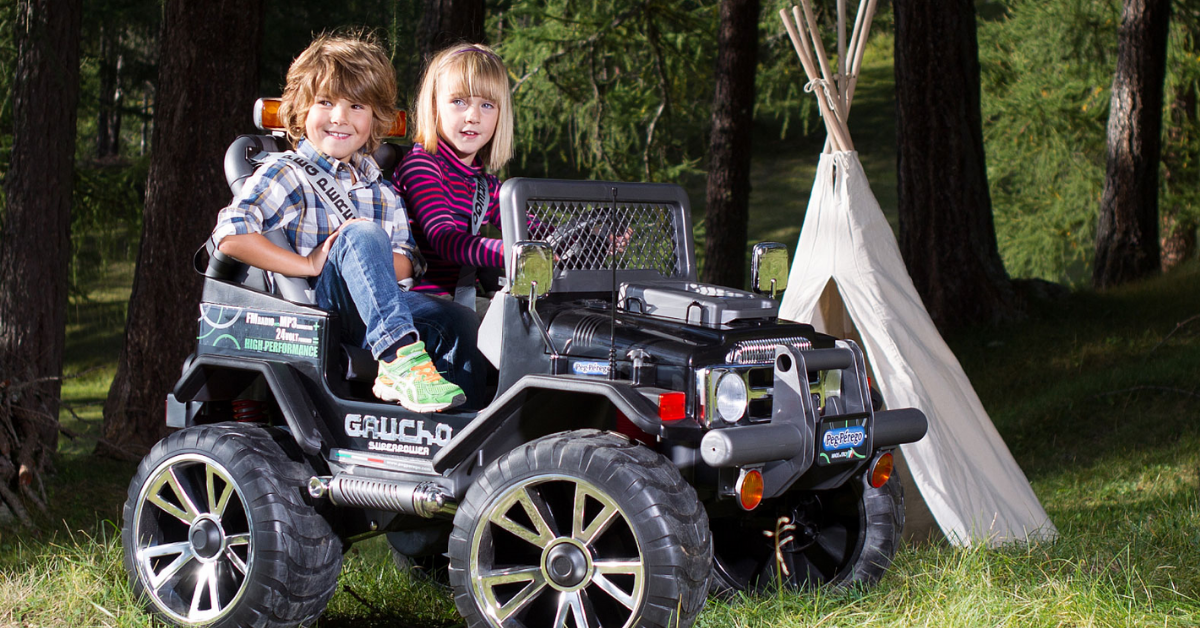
[(848, 277)]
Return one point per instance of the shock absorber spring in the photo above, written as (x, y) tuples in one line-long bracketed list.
[(249, 410)]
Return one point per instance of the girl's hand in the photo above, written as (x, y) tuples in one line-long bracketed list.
[(316, 259)]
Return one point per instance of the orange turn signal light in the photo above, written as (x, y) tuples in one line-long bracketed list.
[(881, 469), (672, 406), (266, 117), (750, 489)]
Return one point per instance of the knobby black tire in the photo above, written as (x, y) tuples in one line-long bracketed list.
[(879, 513), (662, 509), (296, 556)]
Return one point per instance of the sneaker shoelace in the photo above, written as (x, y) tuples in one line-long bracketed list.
[(426, 371)]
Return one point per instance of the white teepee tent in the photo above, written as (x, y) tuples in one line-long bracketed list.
[(849, 280)]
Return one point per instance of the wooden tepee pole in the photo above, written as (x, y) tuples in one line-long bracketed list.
[(833, 127)]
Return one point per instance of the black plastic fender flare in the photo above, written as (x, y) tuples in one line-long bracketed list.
[(303, 419), (502, 416)]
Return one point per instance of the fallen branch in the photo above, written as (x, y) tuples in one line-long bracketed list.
[(1178, 326)]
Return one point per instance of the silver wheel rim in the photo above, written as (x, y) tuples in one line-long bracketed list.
[(530, 531), (193, 539)]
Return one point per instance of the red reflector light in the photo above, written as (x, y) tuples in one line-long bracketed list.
[(881, 470), (672, 406), (750, 489)]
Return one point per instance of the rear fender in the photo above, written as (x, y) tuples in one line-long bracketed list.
[(212, 377)]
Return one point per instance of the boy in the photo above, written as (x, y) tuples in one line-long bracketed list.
[(338, 103)]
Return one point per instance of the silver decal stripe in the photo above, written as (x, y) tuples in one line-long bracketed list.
[(381, 461)]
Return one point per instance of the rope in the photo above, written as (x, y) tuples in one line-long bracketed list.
[(812, 85)]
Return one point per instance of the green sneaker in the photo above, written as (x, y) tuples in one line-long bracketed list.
[(413, 382)]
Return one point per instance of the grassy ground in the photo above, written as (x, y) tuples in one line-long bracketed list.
[(1096, 395)]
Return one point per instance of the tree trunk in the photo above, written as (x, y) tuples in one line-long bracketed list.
[(1127, 232), (946, 232), (727, 198), (35, 244), (208, 80), (108, 118), (1178, 227), (450, 21)]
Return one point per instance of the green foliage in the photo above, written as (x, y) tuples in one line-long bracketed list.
[(106, 216), (1047, 70), (118, 38), (616, 90), (1181, 142), (780, 79), (290, 26), (8, 68)]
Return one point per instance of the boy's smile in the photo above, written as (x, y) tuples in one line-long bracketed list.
[(338, 127), (467, 124)]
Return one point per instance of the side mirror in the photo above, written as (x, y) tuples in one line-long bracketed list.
[(532, 271), (769, 268)]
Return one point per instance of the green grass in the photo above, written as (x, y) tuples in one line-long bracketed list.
[(1098, 409)]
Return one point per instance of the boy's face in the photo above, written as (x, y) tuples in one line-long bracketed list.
[(338, 127), (467, 124)]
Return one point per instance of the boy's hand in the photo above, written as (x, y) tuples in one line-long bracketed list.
[(316, 259)]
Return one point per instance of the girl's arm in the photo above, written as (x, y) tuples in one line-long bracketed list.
[(430, 203)]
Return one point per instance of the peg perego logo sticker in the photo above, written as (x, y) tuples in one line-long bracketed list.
[(843, 438), (590, 368)]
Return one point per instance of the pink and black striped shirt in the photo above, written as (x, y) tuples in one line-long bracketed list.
[(439, 191)]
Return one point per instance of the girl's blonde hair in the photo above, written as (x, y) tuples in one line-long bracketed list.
[(467, 70), (351, 66)]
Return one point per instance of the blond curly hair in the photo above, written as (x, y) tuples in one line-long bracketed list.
[(352, 66)]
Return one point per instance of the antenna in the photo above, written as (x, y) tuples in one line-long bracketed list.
[(612, 250)]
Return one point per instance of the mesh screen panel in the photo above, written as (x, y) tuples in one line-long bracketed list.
[(582, 233)]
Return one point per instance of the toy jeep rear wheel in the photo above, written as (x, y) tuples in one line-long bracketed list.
[(839, 537), (217, 531), (582, 528)]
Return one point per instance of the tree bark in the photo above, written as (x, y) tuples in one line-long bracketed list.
[(727, 199), (1178, 243), (108, 117), (947, 236), (35, 242), (208, 80), (450, 21), (1127, 232)]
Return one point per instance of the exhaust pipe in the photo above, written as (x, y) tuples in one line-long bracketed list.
[(424, 499)]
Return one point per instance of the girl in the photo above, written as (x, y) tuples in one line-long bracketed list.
[(464, 127)]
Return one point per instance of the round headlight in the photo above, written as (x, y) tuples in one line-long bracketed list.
[(731, 397)]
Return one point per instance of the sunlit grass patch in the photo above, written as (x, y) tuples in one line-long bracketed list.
[(74, 580)]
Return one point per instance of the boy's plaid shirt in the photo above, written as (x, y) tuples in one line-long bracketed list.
[(276, 196)]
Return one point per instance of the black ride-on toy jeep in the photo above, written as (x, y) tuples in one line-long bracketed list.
[(645, 444)]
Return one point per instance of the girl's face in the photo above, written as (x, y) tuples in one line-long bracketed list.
[(466, 124), (338, 127)]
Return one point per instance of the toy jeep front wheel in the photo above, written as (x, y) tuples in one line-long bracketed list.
[(837, 537), (217, 531), (582, 528)]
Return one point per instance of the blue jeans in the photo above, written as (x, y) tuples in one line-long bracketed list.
[(359, 283)]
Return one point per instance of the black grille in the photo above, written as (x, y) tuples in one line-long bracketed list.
[(581, 234)]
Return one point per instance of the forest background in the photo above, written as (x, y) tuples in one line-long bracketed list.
[(623, 90), (612, 110)]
